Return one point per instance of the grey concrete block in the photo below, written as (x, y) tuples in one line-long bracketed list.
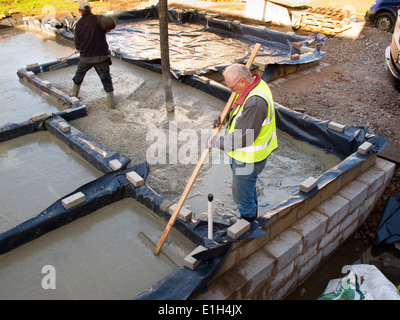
[(191, 262), (364, 148), (46, 84), (74, 100), (308, 184), (64, 127), (73, 200), (336, 126), (135, 179), (39, 117), (204, 80), (184, 214), (261, 65), (240, 227), (32, 65), (30, 74), (115, 164)]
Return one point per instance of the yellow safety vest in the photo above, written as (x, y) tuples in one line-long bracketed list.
[(266, 141)]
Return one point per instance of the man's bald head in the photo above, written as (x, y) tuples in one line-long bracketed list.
[(237, 77)]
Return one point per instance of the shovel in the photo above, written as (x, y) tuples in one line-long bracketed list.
[(203, 157)]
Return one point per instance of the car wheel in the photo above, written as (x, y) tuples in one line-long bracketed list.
[(385, 21)]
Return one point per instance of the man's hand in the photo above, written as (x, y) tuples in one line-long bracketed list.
[(211, 142), (217, 122)]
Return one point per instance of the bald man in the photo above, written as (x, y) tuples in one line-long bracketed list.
[(250, 135)]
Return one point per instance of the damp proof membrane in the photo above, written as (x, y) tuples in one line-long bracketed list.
[(199, 43), (192, 47)]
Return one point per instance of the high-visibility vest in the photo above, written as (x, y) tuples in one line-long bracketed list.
[(267, 140)]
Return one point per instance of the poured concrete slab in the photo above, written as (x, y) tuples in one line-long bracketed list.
[(18, 101), (36, 170), (99, 256)]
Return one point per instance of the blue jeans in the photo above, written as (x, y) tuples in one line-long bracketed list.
[(244, 179)]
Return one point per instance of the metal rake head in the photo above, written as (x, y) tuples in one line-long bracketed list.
[(59, 65)]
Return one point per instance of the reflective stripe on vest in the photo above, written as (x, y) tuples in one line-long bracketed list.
[(267, 140), (266, 98)]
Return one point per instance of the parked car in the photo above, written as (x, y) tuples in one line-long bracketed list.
[(383, 13), (392, 55)]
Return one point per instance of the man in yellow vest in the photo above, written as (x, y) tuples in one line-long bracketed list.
[(251, 135)]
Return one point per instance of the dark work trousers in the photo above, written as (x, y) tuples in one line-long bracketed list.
[(102, 69)]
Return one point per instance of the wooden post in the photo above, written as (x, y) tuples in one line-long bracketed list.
[(164, 48)]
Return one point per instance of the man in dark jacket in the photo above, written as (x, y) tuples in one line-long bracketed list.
[(90, 40)]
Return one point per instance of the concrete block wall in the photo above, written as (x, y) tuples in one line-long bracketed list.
[(302, 237)]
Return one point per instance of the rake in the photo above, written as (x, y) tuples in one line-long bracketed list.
[(63, 63)]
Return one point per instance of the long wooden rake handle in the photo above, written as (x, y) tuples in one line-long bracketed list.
[(203, 157)]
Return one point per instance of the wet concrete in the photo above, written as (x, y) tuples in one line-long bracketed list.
[(17, 49), (98, 256), (37, 170), (140, 129)]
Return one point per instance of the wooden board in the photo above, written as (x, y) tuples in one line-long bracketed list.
[(325, 20)]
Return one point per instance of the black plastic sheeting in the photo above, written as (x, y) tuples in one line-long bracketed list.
[(87, 148), (317, 133), (14, 130), (274, 44), (198, 41), (276, 47), (389, 226), (180, 284)]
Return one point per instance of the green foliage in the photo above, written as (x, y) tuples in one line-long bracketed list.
[(37, 7)]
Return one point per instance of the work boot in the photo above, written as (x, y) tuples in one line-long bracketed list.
[(110, 100), (75, 90), (249, 219)]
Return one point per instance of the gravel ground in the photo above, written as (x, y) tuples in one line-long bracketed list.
[(350, 87)]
